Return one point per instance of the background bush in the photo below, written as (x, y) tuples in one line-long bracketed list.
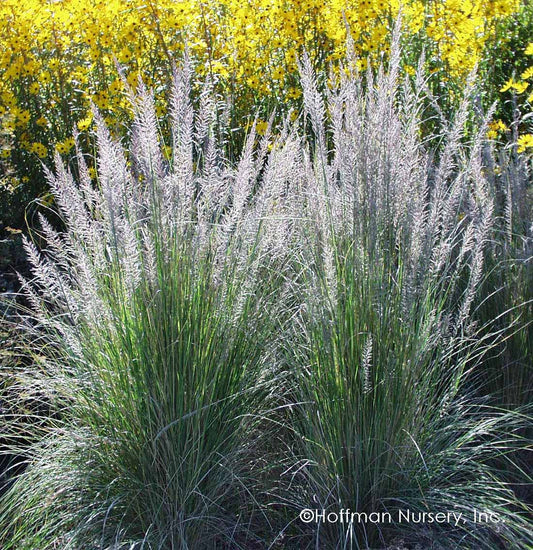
[(57, 57)]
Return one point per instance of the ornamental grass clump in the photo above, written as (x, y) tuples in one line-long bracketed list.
[(385, 348), (218, 345), (151, 342)]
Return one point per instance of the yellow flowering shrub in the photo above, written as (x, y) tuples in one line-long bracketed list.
[(58, 56), (51, 51)]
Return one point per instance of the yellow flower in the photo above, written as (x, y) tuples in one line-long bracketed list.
[(528, 73), (45, 77), (294, 93), (525, 142), (529, 49), (252, 81), (8, 99), (278, 73), (41, 121), (63, 147), (34, 88), (124, 56), (133, 79), (24, 117), (39, 149), (508, 85), (85, 123), (520, 87), (101, 100), (115, 86)]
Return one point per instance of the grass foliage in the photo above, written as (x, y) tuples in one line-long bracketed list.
[(218, 345)]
